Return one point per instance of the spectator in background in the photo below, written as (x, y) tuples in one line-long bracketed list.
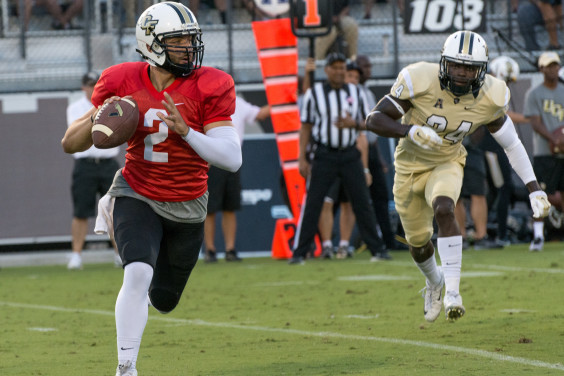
[(220, 5), (336, 154), (368, 4), (343, 24), (224, 188), (61, 19), (506, 69), (543, 107), (474, 188), (93, 173), (132, 9), (363, 62), (378, 169), (533, 13)]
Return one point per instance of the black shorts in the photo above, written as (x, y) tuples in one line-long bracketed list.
[(224, 189), (170, 247), (550, 173), (90, 177), (474, 183), (337, 192)]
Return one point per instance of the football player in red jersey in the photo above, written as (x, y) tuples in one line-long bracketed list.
[(161, 193)]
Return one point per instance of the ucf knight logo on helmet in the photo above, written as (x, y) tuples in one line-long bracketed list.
[(149, 24)]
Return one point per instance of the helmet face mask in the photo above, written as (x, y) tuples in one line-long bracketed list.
[(162, 32), (464, 48)]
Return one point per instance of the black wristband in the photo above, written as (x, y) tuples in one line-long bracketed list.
[(408, 129)]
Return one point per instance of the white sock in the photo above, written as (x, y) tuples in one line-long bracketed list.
[(132, 310), (327, 243), (344, 243), (450, 252), (430, 270), (538, 229)]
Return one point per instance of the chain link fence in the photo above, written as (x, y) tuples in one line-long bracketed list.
[(44, 50)]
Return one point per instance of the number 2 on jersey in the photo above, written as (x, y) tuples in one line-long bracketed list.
[(155, 138)]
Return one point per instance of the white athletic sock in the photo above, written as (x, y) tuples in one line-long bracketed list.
[(430, 270), (344, 243), (132, 310), (327, 243), (538, 229), (450, 252)]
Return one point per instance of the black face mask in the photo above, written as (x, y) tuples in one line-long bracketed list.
[(195, 51), (473, 85)]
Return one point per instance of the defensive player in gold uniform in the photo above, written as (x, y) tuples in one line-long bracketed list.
[(440, 104)]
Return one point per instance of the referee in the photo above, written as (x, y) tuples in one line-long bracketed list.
[(324, 107)]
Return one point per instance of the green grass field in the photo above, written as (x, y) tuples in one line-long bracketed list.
[(264, 317)]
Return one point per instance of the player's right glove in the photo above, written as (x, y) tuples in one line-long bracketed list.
[(539, 204), (424, 137)]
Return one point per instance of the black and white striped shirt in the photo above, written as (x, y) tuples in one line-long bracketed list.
[(321, 106)]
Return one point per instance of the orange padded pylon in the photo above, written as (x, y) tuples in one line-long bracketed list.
[(278, 55)]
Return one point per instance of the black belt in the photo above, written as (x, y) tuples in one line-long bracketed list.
[(339, 150), (95, 160)]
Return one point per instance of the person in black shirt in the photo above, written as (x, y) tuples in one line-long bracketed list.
[(325, 106)]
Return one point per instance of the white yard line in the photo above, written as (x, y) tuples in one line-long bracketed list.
[(466, 264), (406, 342), (517, 268)]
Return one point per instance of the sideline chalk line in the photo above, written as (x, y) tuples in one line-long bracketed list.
[(198, 322)]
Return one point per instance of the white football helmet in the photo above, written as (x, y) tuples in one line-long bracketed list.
[(165, 20), (505, 68), (469, 48)]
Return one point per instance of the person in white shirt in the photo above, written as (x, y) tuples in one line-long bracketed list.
[(92, 175), (224, 188)]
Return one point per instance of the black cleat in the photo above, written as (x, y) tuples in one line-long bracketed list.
[(210, 256), (232, 256), (296, 260)]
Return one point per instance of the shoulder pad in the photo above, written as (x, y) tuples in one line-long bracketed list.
[(496, 91), (415, 79)]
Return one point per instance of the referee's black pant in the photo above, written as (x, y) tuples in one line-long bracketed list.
[(327, 164), (379, 195)]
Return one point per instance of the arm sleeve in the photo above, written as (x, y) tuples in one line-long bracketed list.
[(220, 147), (507, 137)]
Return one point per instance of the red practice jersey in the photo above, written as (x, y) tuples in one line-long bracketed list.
[(159, 164)]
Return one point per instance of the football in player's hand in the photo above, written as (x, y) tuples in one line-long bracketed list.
[(557, 141), (115, 123)]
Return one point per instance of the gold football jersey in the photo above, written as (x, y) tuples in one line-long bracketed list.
[(450, 116)]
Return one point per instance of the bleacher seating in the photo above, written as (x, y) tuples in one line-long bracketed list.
[(55, 60)]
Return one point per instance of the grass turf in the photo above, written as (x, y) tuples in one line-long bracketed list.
[(264, 317)]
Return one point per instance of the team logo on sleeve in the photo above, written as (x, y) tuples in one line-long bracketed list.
[(149, 24), (439, 103)]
